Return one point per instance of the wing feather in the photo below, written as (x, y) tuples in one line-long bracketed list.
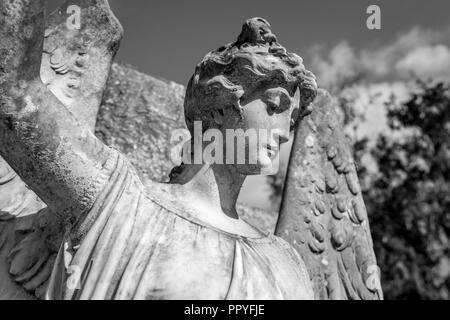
[(323, 213)]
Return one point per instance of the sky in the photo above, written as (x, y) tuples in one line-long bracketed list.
[(166, 39)]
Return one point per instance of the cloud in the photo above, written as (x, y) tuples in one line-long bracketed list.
[(341, 64), (369, 104), (419, 52), (426, 62)]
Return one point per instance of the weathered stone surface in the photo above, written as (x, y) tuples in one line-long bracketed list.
[(75, 64), (19, 23), (262, 219), (137, 116), (323, 214)]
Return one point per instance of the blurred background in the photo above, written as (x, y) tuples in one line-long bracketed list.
[(393, 88)]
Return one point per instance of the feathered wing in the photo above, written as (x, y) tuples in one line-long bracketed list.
[(25, 259), (81, 39), (323, 213)]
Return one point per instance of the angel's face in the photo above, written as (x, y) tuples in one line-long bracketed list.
[(267, 117)]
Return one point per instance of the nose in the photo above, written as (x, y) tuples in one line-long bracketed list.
[(282, 136)]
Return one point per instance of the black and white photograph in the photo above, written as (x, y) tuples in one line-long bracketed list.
[(244, 151)]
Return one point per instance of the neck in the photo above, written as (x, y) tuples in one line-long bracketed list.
[(229, 183), (217, 185)]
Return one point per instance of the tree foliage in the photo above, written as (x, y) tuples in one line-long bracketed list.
[(409, 199)]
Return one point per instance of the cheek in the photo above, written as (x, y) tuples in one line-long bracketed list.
[(283, 122), (255, 116)]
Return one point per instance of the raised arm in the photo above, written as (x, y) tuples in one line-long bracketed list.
[(59, 158)]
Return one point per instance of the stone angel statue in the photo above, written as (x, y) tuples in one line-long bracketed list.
[(122, 239)]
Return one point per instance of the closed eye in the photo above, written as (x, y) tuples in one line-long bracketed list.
[(277, 100), (272, 106)]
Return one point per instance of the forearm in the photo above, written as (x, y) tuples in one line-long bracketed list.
[(55, 155)]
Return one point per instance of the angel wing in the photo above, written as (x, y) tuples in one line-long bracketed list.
[(81, 39), (20, 270), (323, 213)]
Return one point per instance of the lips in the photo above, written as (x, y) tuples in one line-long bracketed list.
[(272, 150)]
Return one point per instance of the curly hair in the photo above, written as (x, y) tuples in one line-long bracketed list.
[(226, 74)]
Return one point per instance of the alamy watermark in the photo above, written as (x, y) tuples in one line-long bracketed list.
[(73, 22), (374, 20), (250, 147)]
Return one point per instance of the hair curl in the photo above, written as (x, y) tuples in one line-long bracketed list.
[(224, 76)]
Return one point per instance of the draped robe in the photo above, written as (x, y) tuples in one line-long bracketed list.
[(137, 242)]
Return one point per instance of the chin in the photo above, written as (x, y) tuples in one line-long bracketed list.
[(267, 163), (269, 169)]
